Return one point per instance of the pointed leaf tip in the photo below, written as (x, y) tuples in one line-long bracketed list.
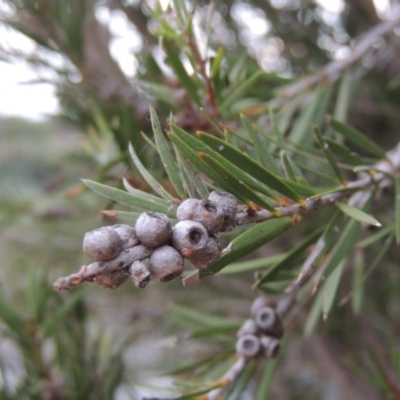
[(358, 215)]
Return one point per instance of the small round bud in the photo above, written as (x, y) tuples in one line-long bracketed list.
[(112, 280), (102, 244), (248, 346), (270, 346), (153, 229), (259, 303), (127, 234), (204, 211), (140, 274), (268, 322), (208, 254), (249, 327), (228, 204), (165, 263), (189, 238)]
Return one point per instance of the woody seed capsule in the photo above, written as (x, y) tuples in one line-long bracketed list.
[(228, 204), (248, 346), (268, 322), (112, 280), (189, 238), (140, 274), (102, 244), (259, 303), (153, 229), (270, 346), (248, 327), (165, 264), (208, 254), (204, 211), (127, 234)]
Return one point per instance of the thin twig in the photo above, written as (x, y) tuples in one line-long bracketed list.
[(377, 177), (333, 70)]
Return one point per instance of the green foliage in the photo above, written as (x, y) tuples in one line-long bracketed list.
[(60, 358)]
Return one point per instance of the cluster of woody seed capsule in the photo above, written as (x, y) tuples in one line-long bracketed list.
[(259, 336), (154, 249)]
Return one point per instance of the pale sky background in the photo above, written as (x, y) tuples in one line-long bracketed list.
[(20, 97)]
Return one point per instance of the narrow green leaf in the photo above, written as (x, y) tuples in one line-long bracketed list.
[(343, 246), (124, 216), (238, 70), (238, 386), (223, 176), (331, 233), (216, 128), (261, 147), (190, 145), (327, 152), (160, 92), (185, 314), (397, 209), (284, 119), (166, 155), (357, 287), (235, 92), (195, 181), (348, 83), (314, 315), (357, 137), (61, 313), (172, 55), (296, 170), (128, 199), (249, 241), (216, 62), (289, 260), (276, 132), (376, 236), (147, 176), (144, 195), (287, 167), (379, 257), (301, 128), (330, 289), (357, 214), (186, 181), (250, 166), (250, 265), (343, 152), (266, 379)]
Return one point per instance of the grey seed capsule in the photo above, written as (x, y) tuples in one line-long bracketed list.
[(268, 322), (228, 204), (102, 244), (140, 274), (165, 264), (189, 238), (112, 280), (259, 303), (209, 254), (248, 346), (249, 327), (153, 229), (204, 211), (270, 346), (127, 234)]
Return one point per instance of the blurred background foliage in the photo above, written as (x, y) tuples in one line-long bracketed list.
[(108, 61)]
